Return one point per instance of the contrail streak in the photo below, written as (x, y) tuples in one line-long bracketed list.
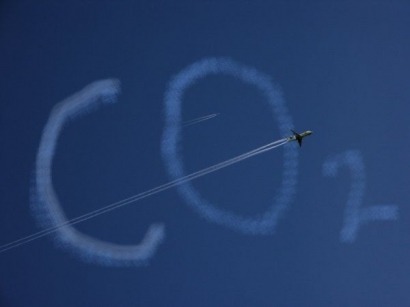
[(263, 223), (143, 195), (199, 120)]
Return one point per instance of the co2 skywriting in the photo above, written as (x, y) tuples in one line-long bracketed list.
[(48, 209)]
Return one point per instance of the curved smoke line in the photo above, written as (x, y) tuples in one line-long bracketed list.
[(355, 215), (262, 224), (46, 205)]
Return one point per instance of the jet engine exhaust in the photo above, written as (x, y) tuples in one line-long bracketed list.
[(137, 197), (199, 120)]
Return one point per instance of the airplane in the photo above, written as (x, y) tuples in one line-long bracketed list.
[(299, 137)]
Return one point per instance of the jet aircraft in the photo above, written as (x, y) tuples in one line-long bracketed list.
[(299, 137)]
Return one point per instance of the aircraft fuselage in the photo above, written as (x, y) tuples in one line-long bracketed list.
[(299, 136)]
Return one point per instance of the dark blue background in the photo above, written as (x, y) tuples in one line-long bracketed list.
[(343, 67)]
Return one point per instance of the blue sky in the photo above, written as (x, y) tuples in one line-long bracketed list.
[(342, 68)]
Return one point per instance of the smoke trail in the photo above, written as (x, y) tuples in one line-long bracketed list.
[(46, 205), (354, 215), (198, 120), (142, 195), (262, 224)]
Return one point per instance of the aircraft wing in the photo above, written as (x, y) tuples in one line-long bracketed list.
[(300, 142)]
